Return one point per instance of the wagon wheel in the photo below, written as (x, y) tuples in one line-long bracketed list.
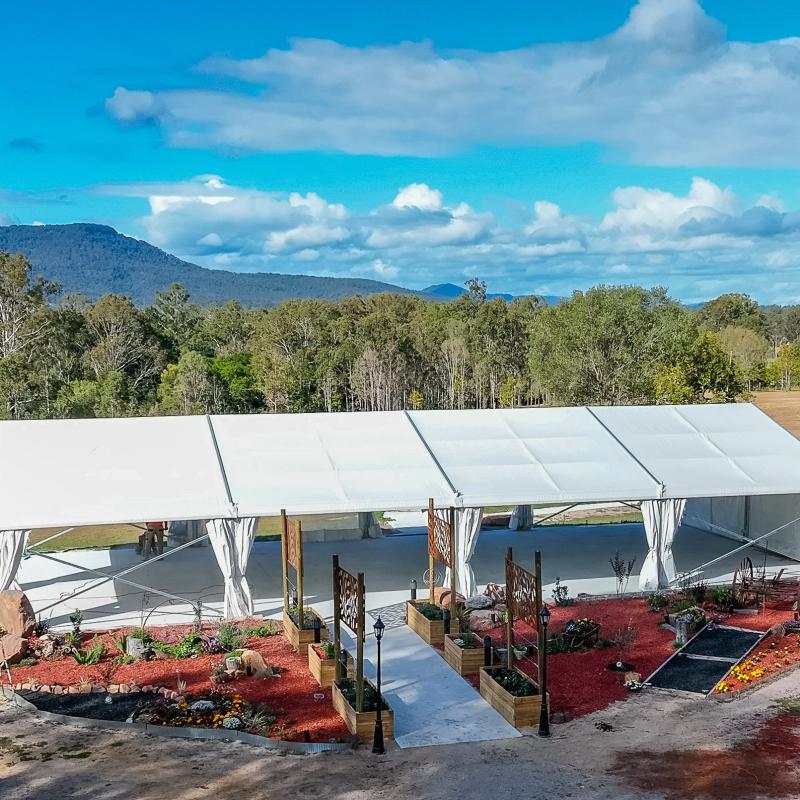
[(743, 583)]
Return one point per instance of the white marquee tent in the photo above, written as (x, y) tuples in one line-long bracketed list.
[(236, 468)]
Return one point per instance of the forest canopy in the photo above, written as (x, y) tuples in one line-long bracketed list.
[(64, 356)]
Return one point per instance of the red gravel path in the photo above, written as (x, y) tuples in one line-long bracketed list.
[(292, 690)]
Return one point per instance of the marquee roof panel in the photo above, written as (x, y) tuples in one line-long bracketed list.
[(515, 456), (103, 471), (84, 472), (325, 463), (709, 450)]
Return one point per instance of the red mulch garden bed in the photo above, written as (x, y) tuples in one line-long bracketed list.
[(291, 691), (580, 683)]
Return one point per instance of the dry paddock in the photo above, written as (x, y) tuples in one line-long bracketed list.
[(40, 760)]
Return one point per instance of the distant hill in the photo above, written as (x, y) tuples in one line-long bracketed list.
[(451, 291), (96, 259)]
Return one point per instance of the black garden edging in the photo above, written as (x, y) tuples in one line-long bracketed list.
[(180, 733)]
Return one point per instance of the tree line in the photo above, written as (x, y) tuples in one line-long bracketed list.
[(64, 356)]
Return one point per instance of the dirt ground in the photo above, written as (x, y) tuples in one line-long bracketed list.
[(656, 739), (783, 407)]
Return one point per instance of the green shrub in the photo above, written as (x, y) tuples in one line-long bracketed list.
[(328, 649), (429, 611), (230, 636), (93, 655), (514, 682), (261, 631), (723, 596), (656, 601)]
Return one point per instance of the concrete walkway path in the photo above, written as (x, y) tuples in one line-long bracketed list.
[(432, 704)]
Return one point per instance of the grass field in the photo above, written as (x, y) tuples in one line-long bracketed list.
[(99, 537)]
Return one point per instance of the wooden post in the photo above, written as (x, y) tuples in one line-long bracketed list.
[(337, 620), (540, 643), (360, 645), (431, 562), (284, 554), (453, 560), (300, 598), (509, 611)]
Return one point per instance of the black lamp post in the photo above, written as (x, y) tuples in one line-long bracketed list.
[(544, 715), (377, 741)]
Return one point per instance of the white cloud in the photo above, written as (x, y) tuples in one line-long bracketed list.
[(665, 88), (418, 195), (641, 209), (697, 243)]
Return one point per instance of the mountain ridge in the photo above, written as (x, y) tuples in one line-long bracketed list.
[(96, 259)]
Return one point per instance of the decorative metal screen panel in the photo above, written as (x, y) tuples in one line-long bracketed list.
[(439, 539), (521, 594), (350, 599), (294, 543)]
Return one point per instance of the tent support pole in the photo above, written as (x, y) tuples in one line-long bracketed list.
[(119, 575), (750, 543)]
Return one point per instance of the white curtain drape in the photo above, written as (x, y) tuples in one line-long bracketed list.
[(521, 518), (662, 518), (12, 546), (468, 526), (232, 541)]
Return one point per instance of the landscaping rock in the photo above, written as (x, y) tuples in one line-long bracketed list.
[(45, 646), (86, 688), (58, 690), (496, 592), (113, 688), (124, 688), (481, 620), (74, 690), (136, 648), (97, 689), (16, 613), (12, 648), (254, 664), (45, 689), (479, 601), (441, 596)]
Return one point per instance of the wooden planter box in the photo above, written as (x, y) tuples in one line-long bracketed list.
[(521, 712), (431, 630), (324, 669), (362, 725), (464, 660), (300, 638)]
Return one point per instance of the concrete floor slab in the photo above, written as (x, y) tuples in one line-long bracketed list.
[(577, 554)]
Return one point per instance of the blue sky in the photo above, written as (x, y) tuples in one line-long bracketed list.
[(540, 146)]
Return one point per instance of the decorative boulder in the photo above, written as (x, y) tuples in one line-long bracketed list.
[(254, 664), (479, 601), (12, 648), (441, 596), (16, 613), (482, 620), (496, 592)]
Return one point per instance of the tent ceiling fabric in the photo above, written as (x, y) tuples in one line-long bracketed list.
[(518, 456), (322, 463), (709, 450), (84, 472), (101, 471)]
